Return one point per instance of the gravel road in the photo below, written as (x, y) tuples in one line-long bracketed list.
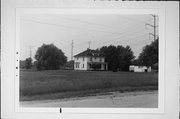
[(140, 99)]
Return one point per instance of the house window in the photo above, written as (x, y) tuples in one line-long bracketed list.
[(100, 60), (83, 65), (90, 58), (77, 65)]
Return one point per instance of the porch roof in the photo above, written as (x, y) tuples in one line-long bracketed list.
[(97, 62)]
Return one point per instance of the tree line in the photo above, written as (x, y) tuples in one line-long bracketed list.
[(117, 57), (49, 57)]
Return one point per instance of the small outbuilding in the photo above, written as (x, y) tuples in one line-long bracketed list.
[(133, 68)]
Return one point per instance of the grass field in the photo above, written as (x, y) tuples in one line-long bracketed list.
[(77, 83)]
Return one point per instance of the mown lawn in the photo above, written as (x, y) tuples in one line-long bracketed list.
[(73, 83)]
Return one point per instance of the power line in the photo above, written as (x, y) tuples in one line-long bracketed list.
[(87, 22), (92, 23), (126, 39), (81, 21), (81, 28), (142, 42), (117, 38), (75, 27), (132, 19), (124, 34), (34, 21)]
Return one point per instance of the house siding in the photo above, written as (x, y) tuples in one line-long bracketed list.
[(81, 63), (90, 60), (97, 59), (84, 64)]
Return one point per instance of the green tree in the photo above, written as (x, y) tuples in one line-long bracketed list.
[(118, 58), (49, 57), (125, 57), (108, 52), (149, 54), (28, 63)]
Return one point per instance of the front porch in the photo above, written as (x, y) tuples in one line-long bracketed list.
[(97, 66)]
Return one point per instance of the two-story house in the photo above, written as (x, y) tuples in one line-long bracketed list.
[(90, 60)]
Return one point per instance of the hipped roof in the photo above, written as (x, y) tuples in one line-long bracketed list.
[(89, 53)]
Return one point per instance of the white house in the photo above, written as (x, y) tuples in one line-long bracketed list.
[(134, 68), (90, 60)]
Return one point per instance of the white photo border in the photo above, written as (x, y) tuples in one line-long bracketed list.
[(161, 75)]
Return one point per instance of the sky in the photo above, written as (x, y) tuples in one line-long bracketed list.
[(85, 31)]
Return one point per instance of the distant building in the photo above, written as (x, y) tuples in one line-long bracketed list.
[(69, 65), (22, 64), (90, 60), (133, 68)]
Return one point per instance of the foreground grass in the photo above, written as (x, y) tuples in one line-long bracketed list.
[(81, 83)]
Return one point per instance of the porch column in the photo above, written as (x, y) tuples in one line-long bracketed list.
[(102, 67), (106, 66), (90, 66)]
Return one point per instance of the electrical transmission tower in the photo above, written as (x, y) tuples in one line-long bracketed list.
[(154, 26), (89, 42), (30, 51)]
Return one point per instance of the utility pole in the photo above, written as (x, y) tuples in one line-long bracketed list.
[(30, 51), (72, 50), (89, 42), (154, 26)]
